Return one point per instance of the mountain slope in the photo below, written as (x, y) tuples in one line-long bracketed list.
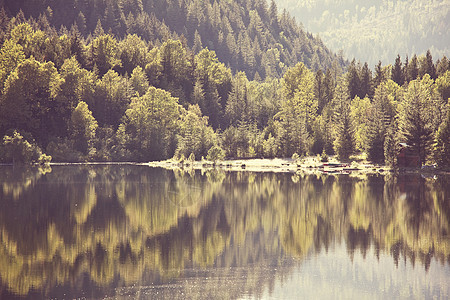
[(377, 30), (247, 35)]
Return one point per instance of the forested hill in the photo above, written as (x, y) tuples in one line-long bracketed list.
[(372, 30), (130, 88), (247, 35)]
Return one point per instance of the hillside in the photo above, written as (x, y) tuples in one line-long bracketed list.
[(247, 35), (377, 30), (132, 89)]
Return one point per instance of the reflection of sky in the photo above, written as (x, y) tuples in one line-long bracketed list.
[(333, 275)]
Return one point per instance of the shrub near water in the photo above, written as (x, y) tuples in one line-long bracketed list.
[(16, 149)]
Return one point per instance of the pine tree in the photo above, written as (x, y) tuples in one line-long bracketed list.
[(413, 69), (442, 66), (378, 122), (379, 75), (397, 72), (427, 66), (442, 143), (353, 80), (391, 144), (328, 84), (366, 88), (344, 143), (416, 120)]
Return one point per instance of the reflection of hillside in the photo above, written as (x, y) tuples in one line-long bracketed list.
[(126, 225)]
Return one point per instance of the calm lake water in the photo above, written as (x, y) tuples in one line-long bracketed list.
[(125, 231)]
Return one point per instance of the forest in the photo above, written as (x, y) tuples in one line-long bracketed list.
[(373, 30), (115, 83)]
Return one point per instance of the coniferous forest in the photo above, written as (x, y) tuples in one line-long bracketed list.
[(141, 80)]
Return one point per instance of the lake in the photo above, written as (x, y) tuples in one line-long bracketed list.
[(132, 231)]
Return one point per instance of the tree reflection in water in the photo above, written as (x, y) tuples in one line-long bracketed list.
[(101, 230)]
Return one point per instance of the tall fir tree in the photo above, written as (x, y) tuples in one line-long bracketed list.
[(353, 80), (416, 120), (397, 72), (344, 144), (442, 143)]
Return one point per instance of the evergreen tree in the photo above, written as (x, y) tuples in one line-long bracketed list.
[(139, 82), (366, 88), (442, 66), (397, 72), (427, 66), (416, 124), (413, 69), (353, 80), (442, 143), (379, 120), (379, 75), (391, 144), (328, 84), (195, 136), (344, 143), (319, 90)]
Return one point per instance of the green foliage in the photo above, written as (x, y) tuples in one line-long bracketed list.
[(195, 137), (421, 114), (215, 153), (243, 35), (11, 55), (344, 144), (88, 99), (139, 82), (30, 101), (443, 85), (298, 110), (149, 126), (359, 110), (324, 156), (111, 99), (442, 143), (18, 150), (391, 145), (104, 49), (132, 53), (82, 128), (44, 159), (244, 141)]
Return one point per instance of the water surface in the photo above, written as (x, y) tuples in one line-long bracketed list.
[(121, 231)]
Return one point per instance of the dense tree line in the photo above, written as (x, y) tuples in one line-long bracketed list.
[(110, 98), (247, 35)]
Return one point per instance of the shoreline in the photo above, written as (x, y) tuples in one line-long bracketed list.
[(308, 165)]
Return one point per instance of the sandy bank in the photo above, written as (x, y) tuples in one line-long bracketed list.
[(310, 165)]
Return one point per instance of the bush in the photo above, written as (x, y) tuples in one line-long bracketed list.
[(324, 156), (17, 149), (44, 159), (215, 153), (61, 150)]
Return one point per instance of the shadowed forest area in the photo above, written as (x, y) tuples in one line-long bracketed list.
[(136, 80)]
